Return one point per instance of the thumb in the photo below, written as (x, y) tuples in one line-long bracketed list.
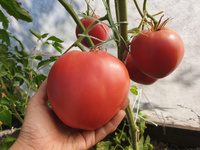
[(41, 93)]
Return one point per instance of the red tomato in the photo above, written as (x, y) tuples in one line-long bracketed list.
[(86, 89), (99, 31), (158, 53), (136, 75)]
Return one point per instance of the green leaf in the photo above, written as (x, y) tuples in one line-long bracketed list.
[(55, 39), (58, 47), (3, 71), (5, 101), (7, 143), (141, 143), (14, 9), (44, 35), (38, 57), (46, 62), (6, 117), (19, 75), (4, 20), (103, 145), (9, 139), (36, 34), (4, 36), (134, 91), (20, 43)]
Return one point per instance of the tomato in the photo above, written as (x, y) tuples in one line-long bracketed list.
[(86, 89), (99, 31), (136, 75), (158, 53)]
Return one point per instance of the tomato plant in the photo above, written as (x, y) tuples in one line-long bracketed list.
[(135, 74), (99, 31), (85, 89), (157, 53)]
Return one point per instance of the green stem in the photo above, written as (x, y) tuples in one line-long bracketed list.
[(12, 106), (151, 17), (4, 86), (138, 8), (73, 14), (15, 113), (77, 42), (145, 10), (122, 48), (132, 126), (111, 22), (123, 28)]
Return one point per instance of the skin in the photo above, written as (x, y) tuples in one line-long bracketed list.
[(43, 130)]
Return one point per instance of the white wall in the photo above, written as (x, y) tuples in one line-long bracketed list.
[(176, 98)]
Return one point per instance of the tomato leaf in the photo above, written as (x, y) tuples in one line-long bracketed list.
[(7, 143), (58, 46), (4, 20), (14, 9), (103, 145), (133, 90), (6, 117), (47, 62), (55, 39), (44, 35), (36, 34), (4, 36), (5, 101), (19, 75)]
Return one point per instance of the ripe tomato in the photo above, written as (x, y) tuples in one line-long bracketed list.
[(136, 75), (157, 53), (86, 89), (99, 31)]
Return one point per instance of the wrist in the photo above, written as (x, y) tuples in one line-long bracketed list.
[(20, 145)]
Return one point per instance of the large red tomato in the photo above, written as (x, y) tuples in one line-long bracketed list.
[(86, 89), (157, 53), (136, 75), (99, 31)]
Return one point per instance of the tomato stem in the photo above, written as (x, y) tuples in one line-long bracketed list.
[(121, 13), (12, 106), (133, 127), (73, 14), (148, 15), (123, 28), (77, 42), (111, 22)]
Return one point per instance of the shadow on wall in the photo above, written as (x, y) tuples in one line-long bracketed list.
[(187, 77)]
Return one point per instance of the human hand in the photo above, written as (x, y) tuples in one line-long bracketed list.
[(42, 129)]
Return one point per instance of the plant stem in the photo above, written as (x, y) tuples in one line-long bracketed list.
[(15, 113), (4, 86), (71, 11), (121, 6), (12, 106), (151, 17), (123, 28), (77, 42), (132, 126)]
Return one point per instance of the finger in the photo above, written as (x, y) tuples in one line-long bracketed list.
[(41, 92), (126, 102), (110, 127)]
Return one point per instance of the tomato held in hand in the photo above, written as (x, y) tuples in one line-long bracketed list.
[(136, 75), (157, 53), (86, 89), (99, 31)]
